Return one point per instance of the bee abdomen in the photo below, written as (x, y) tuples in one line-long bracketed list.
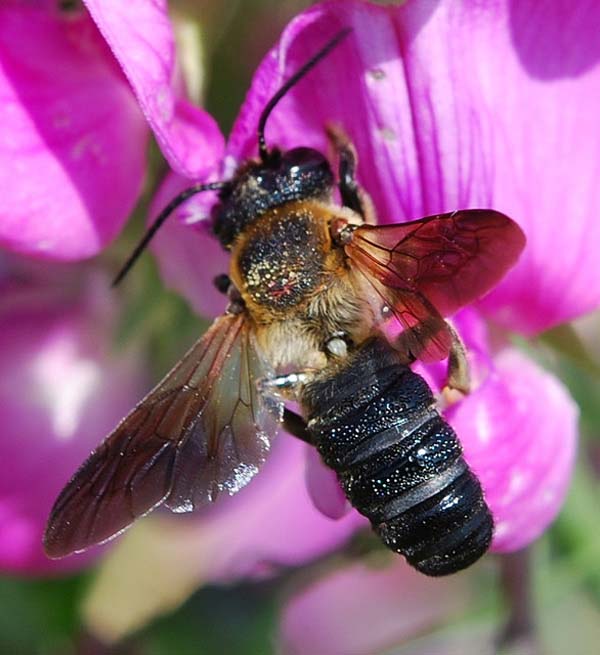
[(399, 461)]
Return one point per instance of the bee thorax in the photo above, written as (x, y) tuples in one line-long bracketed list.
[(280, 263)]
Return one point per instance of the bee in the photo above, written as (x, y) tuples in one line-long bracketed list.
[(312, 285)]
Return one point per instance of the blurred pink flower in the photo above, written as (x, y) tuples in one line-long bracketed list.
[(61, 388), (77, 92), (450, 105), (362, 610)]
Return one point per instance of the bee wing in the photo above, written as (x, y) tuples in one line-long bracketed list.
[(426, 269), (204, 429), (426, 335)]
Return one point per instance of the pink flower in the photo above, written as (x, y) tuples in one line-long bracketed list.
[(452, 105), (61, 387), (365, 608), (77, 93)]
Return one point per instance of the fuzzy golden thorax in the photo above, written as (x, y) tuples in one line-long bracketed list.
[(296, 283)]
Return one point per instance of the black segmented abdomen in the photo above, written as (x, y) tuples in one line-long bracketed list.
[(400, 463)]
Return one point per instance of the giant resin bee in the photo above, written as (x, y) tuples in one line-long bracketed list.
[(311, 286)]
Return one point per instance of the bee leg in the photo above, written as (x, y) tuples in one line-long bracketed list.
[(222, 283), (296, 426), (353, 195), (288, 387), (225, 286), (284, 387), (458, 381)]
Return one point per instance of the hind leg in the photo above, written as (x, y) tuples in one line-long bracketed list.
[(459, 377)]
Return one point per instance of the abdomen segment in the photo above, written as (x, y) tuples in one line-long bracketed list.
[(399, 462)]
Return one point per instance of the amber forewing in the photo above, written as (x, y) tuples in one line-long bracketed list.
[(202, 431), (427, 269)]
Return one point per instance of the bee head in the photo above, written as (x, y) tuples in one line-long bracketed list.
[(277, 178)]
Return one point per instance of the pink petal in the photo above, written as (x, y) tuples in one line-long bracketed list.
[(454, 105), (61, 391), (324, 488), (519, 434), (274, 523), (141, 38), (73, 139), (189, 255), (359, 610)]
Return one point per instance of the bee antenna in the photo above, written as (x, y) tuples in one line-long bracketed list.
[(298, 75), (159, 220)]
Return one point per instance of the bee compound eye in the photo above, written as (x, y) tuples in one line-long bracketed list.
[(303, 160)]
